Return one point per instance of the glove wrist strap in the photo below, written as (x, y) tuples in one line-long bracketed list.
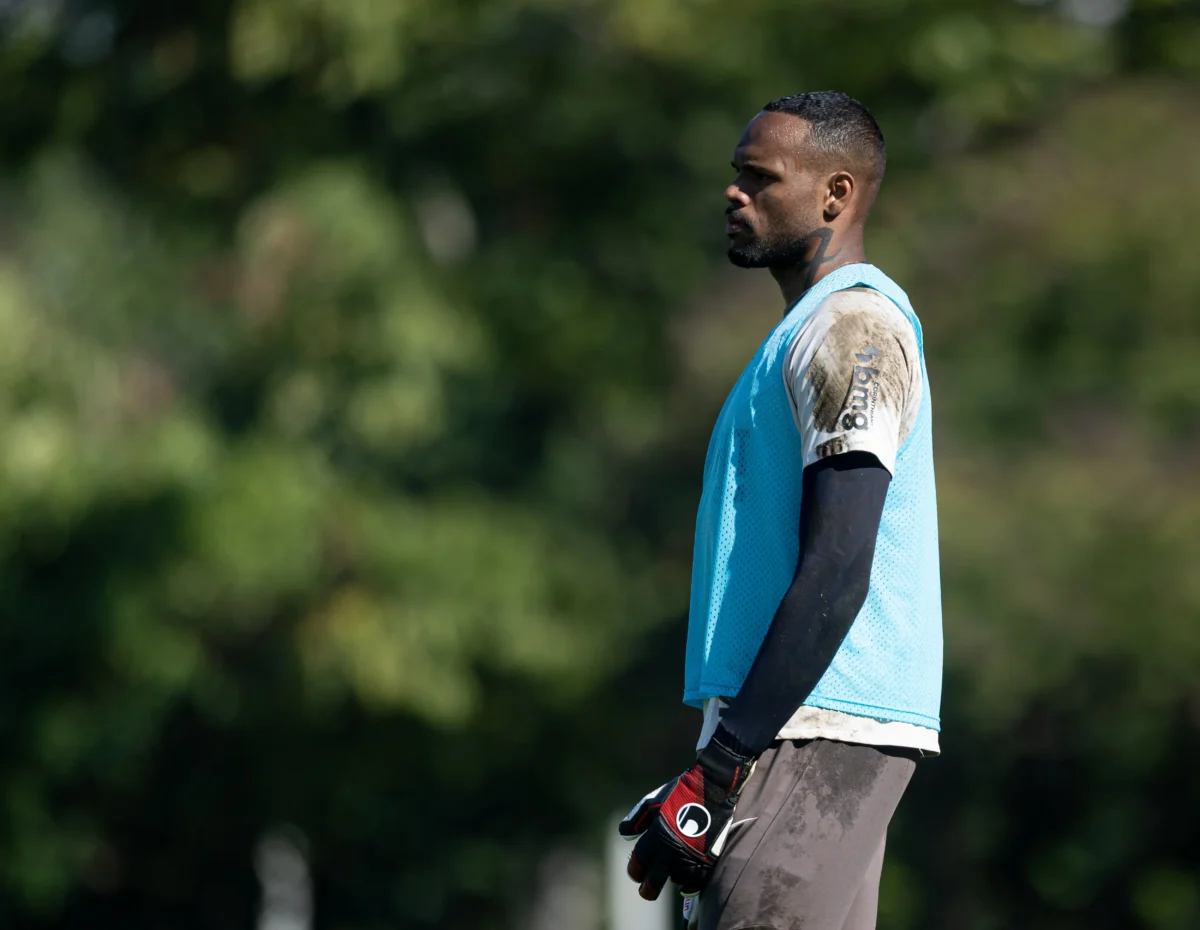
[(723, 766)]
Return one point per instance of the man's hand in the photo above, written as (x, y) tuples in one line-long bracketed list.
[(682, 826)]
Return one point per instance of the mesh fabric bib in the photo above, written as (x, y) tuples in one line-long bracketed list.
[(747, 544)]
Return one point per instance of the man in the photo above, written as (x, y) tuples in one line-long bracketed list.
[(814, 637)]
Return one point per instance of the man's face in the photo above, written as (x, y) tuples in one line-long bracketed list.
[(775, 200)]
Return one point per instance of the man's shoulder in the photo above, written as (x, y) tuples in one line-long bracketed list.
[(848, 320), (862, 310)]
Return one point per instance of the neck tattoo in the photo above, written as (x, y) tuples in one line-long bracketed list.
[(808, 269)]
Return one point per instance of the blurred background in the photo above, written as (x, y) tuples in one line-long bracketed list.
[(357, 363)]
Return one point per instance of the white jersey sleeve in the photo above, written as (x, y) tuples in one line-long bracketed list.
[(853, 377)]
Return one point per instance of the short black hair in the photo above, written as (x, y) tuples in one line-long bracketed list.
[(841, 128)]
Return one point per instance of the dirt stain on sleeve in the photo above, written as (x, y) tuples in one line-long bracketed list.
[(862, 349)]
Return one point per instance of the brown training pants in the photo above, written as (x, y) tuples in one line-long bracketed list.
[(806, 850)]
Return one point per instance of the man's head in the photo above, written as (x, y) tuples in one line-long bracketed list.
[(807, 162)]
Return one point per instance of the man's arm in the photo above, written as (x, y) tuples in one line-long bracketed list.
[(840, 510)]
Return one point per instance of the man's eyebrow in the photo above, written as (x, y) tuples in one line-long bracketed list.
[(756, 165)]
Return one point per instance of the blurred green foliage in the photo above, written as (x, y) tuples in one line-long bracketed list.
[(356, 366)]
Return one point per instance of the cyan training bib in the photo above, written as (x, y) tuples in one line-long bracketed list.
[(747, 544)]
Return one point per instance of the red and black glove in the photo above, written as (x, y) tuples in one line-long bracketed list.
[(682, 826)]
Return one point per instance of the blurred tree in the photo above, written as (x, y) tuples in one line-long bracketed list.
[(356, 365)]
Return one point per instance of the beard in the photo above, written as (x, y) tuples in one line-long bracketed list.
[(779, 252)]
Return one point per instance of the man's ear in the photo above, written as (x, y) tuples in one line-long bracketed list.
[(839, 191)]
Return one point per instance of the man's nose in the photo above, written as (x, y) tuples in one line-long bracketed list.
[(736, 196)]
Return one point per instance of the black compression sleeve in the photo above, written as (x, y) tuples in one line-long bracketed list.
[(840, 509)]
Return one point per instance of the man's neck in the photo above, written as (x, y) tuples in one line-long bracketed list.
[(827, 251)]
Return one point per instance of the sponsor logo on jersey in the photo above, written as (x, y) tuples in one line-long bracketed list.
[(864, 390)]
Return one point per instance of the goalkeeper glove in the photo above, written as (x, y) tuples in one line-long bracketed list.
[(681, 827)]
